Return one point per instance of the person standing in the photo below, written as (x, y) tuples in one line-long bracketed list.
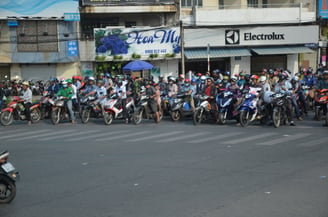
[(27, 97)]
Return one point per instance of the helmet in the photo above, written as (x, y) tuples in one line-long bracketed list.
[(26, 83), (101, 74), (217, 82), (193, 80), (225, 77), (100, 81), (271, 71), (119, 82), (171, 78), (199, 74), (325, 73), (62, 80), (263, 78), (203, 77), (233, 78), (227, 73), (69, 80), (45, 93), (107, 75), (282, 76), (242, 74), (181, 76), (53, 79), (295, 78), (187, 80), (247, 76), (255, 77), (91, 78)]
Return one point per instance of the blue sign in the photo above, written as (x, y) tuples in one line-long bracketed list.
[(72, 49), (323, 9), (11, 23), (71, 16)]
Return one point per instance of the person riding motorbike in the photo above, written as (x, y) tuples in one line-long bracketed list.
[(284, 86), (27, 97), (101, 94), (187, 90), (53, 87), (120, 91), (74, 97), (211, 91), (172, 90), (90, 87), (310, 81), (67, 93), (297, 90), (151, 92)]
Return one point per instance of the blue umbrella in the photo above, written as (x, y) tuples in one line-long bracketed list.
[(137, 65)]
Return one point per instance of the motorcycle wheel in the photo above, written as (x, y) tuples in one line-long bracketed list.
[(176, 115), (243, 119), (222, 119), (108, 118), (35, 115), (7, 190), (6, 118), (55, 116), (85, 116), (276, 118), (137, 116), (318, 114), (198, 117)]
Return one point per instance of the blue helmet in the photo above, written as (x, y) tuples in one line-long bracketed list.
[(107, 75), (194, 80)]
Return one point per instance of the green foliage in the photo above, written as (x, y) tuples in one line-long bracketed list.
[(136, 56)]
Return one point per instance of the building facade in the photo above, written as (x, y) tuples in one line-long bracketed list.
[(250, 34)]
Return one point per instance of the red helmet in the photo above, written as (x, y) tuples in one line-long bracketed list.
[(187, 80), (255, 77)]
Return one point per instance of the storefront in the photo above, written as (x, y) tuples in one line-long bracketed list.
[(160, 46), (253, 48)]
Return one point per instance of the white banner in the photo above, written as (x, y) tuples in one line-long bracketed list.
[(137, 42), (248, 36)]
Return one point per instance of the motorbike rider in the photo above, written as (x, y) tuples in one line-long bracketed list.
[(211, 91), (151, 92), (90, 87), (162, 85), (296, 89), (180, 82), (273, 79), (323, 84), (187, 91), (120, 91), (77, 82), (67, 93), (310, 81), (172, 90), (101, 94), (284, 86), (241, 80), (53, 87), (2, 94), (27, 97), (74, 97)]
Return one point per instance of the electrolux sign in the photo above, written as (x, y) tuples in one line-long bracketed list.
[(271, 35)]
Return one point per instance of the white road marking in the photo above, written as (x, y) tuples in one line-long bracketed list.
[(249, 138), (159, 135), (122, 136), (285, 139), (60, 136), (107, 134), (42, 135), (15, 135), (187, 136), (212, 138)]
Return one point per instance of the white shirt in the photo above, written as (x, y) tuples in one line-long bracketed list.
[(74, 91), (120, 91), (101, 91), (27, 95)]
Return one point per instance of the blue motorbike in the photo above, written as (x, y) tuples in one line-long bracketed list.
[(181, 108), (224, 101), (248, 108)]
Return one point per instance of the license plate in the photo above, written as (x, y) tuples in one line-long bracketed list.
[(8, 167)]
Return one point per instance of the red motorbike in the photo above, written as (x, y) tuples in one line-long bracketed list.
[(16, 111), (321, 100)]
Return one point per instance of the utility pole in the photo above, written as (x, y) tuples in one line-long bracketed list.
[(182, 48)]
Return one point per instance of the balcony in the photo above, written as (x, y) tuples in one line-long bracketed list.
[(130, 6), (248, 15)]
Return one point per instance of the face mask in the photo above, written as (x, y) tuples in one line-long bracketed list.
[(170, 82), (64, 85)]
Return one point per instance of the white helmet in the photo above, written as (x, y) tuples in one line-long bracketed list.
[(263, 78), (295, 78), (203, 77), (64, 83), (233, 77), (91, 78)]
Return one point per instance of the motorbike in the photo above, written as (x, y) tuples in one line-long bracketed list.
[(45, 105), (321, 100), (203, 111), (181, 107), (308, 98), (89, 108), (224, 101), (113, 109), (248, 108), (165, 105), (143, 111), (15, 110), (279, 114), (8, 177), (59, 110)]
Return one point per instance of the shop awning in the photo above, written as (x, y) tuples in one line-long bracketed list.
[(201, 53), (282, 50)]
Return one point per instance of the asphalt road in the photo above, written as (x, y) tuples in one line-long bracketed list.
[(168, 170)]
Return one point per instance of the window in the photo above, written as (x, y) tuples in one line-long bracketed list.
[(129, 24), (37, 36), (221, 4), (191, 3), (252, 3)]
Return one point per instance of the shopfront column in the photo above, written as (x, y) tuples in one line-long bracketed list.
[(237, 64), (292, 63)]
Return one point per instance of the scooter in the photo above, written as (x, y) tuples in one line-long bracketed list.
[(181, 108), (224, 101), (279, 114), (8, 177), (143, 111), (59, 110), (89, 108), (321, 100), (203, 111), (16, 111), (248, 108)]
